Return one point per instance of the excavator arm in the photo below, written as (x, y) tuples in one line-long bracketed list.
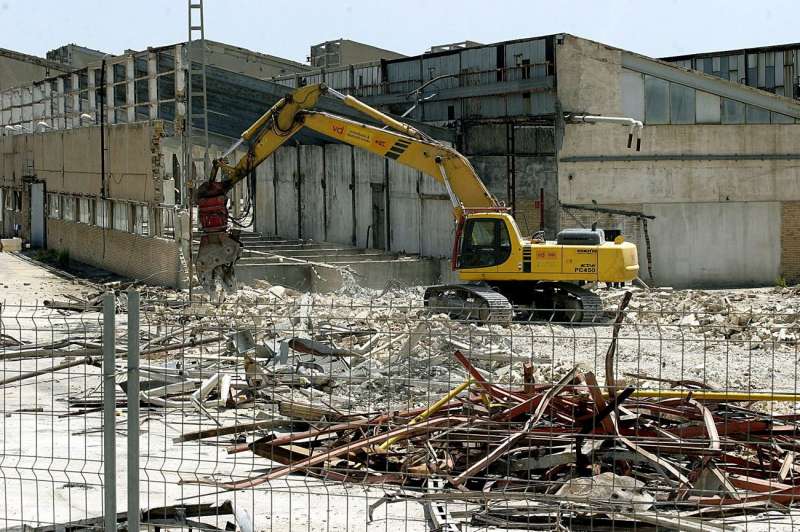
[(398, 141)]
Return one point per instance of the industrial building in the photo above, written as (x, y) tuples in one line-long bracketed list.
[(717, 166), (771, 68)]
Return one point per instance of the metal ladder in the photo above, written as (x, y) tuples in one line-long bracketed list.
[(196, 127), (195, 134)]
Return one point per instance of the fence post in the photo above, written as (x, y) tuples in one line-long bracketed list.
[(109, 411), (133, 410)]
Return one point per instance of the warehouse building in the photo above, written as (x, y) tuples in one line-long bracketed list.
[(717, 168)]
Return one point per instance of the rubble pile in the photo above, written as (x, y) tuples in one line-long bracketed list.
[(756, 315), (507, 423)]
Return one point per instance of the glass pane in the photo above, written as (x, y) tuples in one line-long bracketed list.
[(778, 118), (482, 233), (656, 100), (681, 104), (757, 115), (732, 112), (707, 108)]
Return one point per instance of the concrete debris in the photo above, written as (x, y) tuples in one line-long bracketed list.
[(365, 387), (11, 244)]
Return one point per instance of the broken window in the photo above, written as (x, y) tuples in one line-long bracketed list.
[(86, 210), (54, 206), (68, 208), (120, 213), (102, 214), (526, 69), (141, 220)]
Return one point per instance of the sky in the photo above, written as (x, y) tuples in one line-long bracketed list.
[(287, 29)]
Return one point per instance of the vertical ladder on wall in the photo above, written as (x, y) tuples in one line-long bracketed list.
[(195, 132), (196, 128)]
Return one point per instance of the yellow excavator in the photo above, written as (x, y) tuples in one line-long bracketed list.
[(504, 270)]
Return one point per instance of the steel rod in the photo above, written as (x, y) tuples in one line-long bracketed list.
[(109, 408), (133, 410)]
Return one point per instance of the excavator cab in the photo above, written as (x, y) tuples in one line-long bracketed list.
[(485, 243)]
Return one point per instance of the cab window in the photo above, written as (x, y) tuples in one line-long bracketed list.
[(485, 243)]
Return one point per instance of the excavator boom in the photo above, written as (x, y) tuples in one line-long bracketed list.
[(504, 267), (401, 142)]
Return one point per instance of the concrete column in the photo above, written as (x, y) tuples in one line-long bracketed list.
[(130, 89), (92, 87), (152, 84), (180, 87), (3, 113), (74, 119), (110, 118), (60, 114), (47, 101)]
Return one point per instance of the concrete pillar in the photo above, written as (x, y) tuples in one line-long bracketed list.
[(130, 89), (60, 112), (180, 88), (74, 120), (92, 87), (152, 84), (110, 118)]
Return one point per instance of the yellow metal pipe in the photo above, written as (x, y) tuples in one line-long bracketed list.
[(435, 407), (711, 395)]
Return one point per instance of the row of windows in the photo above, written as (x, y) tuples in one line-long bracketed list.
[(42, 100), (772, 71), (658, 101), (108, 214)]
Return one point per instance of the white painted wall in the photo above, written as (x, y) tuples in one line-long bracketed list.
[(733, 244)]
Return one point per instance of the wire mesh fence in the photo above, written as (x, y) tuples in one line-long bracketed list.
[(288, 411)]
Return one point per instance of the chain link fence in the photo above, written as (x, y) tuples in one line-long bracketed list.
[(289, 411)]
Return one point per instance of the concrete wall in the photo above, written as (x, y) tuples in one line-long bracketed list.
[(716, 190), (716, 244), (334, 185), (588, 76), (153, 260), (69, 161), (18, 69), (243, 61)]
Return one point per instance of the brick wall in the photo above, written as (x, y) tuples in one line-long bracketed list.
[(527, 215), (790, 241), (149, 259)]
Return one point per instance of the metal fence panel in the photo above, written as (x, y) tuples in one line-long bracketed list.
[(360, 410)]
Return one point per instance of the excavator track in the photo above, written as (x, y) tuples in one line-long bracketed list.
[(469, 302), (558, 302), (591, 306)]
